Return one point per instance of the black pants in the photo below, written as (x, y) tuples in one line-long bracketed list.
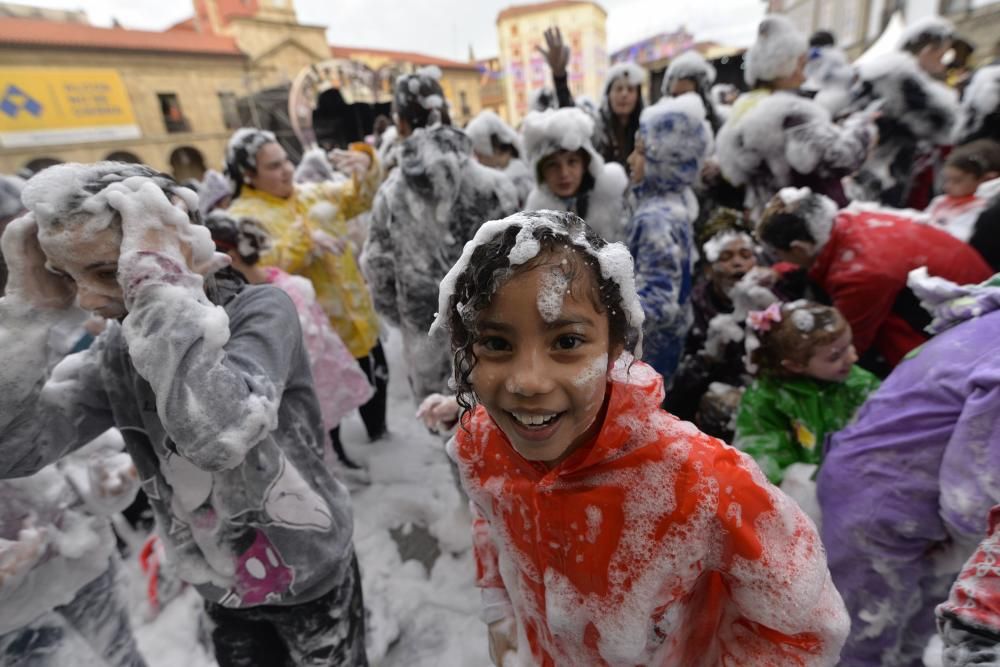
[(373, 412), (327, 632)]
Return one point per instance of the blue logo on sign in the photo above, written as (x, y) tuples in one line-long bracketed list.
[(16, 100)]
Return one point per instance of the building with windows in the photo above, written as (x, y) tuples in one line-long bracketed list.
[(858, 23), (520, 30), (76, 92)]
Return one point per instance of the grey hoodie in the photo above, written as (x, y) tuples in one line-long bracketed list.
[(214, 398)]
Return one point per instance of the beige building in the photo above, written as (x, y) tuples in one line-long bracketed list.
[(170, 99), (858, 23), (520, 30)]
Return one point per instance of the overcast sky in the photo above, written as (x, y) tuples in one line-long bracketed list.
[(451, 26)]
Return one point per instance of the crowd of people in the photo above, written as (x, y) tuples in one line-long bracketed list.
[(718, 374)]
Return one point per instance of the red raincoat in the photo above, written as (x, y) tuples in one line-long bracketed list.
[(864, 267), (652, 545)]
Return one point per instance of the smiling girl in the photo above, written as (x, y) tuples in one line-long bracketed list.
[(808, 385), (606, 531)]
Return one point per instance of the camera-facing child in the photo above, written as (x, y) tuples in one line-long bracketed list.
[(606, 531), (807, 385)]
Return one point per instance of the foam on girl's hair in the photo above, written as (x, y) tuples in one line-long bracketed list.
[(804, 325), (714, 246), (614, 260)]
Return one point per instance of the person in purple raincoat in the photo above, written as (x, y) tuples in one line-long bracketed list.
[(905, 490)]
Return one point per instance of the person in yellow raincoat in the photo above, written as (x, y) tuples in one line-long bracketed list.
[(308, 226)]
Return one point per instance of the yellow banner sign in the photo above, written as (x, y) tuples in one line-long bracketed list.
[(41, 105)]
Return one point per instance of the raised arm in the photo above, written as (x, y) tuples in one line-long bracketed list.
[(556, 54)]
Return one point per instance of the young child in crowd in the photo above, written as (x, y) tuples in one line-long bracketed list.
[(570, 175), (967, 167), (606, 531), (341, 385), (208, 381), (807, 386), (671, 143), (497, 145)]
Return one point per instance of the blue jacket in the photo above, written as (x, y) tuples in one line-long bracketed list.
[(659, 234)]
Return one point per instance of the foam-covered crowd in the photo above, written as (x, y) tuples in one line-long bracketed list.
[(718, 376)]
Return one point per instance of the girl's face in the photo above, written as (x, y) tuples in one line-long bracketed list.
[(563, 173), (681, 86), (623, 98), (831, 362), (90, 260), (736, 258), (543, 355), (275, 172), (958, 183), (931, 57), (637, 162)]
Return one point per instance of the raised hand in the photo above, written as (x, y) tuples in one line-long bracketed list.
[(28, 279), (556, 53)]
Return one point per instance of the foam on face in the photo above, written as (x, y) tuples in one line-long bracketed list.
[(597, 369), (552, 288), (614, 260)]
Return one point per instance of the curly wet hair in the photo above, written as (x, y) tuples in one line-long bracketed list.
[(562, 236)]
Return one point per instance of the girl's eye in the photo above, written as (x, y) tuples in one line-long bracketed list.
[(108, 276), (494, 344), (569, 342)]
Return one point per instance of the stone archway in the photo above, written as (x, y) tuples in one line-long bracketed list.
[(187, 162)]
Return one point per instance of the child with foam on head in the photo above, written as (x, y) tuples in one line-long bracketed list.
[(807, 385), (208, 381), (341, 385), (606, 531)]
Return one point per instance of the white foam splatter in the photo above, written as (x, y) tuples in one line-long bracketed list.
[(803, 320), (715, 245), (596, 369), (552, 289)]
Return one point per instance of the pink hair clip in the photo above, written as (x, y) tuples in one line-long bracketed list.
[(761, 320)]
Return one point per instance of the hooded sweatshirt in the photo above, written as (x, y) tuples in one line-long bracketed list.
[(777, 139), (675, 140), (424, 213), (916, 114), (906, 489), (482, 130), (213, 395), (601, 198), (654, 544)]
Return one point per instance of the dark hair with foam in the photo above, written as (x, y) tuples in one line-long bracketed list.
[(978, 157), (489, 269)]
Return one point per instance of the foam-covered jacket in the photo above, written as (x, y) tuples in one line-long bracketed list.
[(675, 140), (424, 213), (654, 544), (61, 510), (969, 622), (979, 116), (212, 392), (778, 139), (916, 114), (601, 200), (906, 489), (327, 206), (864, 268), (786, 420)]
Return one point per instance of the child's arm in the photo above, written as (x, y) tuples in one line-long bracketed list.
[(659, 269), (354, 197), (764, 433), (218, 382), (42, 416), (496, 609), (379, 261), (774, 565)]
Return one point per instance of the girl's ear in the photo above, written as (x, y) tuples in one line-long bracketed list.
[(792, 366)]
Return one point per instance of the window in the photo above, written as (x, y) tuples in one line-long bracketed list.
[(230, 110), (173, 117), (464, 104)]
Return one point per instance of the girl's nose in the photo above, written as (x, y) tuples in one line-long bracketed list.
[(530, 376)]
